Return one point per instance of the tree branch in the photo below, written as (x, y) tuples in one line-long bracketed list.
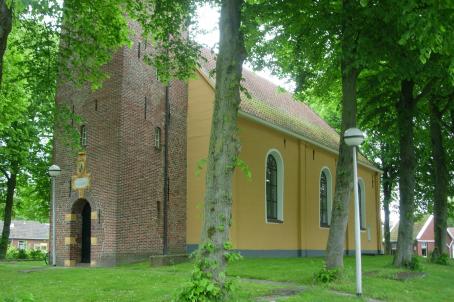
[(426, 90), (5, 173)]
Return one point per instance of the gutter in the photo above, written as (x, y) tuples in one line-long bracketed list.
[(166, 172)]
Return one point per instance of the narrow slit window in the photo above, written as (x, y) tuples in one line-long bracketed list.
[(83, 136), (157, 138), (139, 45)]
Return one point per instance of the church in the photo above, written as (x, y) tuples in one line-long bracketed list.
[(130, 190)]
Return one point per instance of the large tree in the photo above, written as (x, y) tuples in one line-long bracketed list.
[(317, 44), (25, 144)]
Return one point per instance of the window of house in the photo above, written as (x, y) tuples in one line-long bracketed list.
[(325, 197), (274, 187), (424, 249), (362, 204), (83, 136), (22, 244)]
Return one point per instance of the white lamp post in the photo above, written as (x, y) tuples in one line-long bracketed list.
[(354, 137), (54, 171)]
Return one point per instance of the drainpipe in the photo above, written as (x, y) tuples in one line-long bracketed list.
[(166, 171)]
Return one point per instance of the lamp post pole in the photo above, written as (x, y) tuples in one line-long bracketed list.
[(354, 137), (359, 282), (54, 256), (54, 171)]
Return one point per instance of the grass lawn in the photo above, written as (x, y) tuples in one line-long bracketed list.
[(138, 282)]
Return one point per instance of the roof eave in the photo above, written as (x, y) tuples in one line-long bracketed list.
[(286, 131)]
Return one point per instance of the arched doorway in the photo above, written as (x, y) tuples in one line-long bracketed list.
[(86, 234), (80, 226)]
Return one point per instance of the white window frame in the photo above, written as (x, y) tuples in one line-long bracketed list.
[(363, 221), (424, 246), (280, 185), (329, 180), (20, 243)]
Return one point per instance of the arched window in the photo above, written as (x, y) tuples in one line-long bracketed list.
[(362, 204), (325, 197), (274, 181)]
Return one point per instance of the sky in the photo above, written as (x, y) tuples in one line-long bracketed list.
[(208, 19)]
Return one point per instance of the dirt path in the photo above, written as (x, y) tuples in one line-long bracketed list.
[(286, 290)]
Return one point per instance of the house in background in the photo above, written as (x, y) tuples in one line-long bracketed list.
[(26, 234), (424, 237)]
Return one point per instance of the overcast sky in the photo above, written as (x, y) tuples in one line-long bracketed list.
[(208, 19)]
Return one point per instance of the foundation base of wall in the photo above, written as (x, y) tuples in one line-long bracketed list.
[(164, 260)]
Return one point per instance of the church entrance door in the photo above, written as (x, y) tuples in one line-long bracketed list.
[(86, 234)]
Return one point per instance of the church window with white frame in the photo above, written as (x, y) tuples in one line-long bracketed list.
[(274, 187), (362, 203), (325, 197)]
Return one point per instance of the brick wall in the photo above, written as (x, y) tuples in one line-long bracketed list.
[(126, 193)]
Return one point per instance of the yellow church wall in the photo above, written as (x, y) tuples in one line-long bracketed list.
[(371, 236), (200, 108), (256, 233), (316, 159), (303, 163)]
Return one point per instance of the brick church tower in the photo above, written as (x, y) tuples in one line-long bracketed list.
[(121, 196)]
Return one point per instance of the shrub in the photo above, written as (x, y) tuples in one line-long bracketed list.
[(15, 254), (443, 259), (414, 264), (22, 254), (326, 275), (12, 253), (36, 254)]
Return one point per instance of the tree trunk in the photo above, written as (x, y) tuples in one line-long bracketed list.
[(10, 188), (441, 176), (224, 144), (387, 191), (344, 170), (405, 113), (6, 18)]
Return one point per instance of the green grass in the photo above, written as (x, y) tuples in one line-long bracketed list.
[(379, 280), (139, 282), (136, 282)]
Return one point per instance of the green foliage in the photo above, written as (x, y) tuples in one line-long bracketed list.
[(414, 264), (243, 166), (202, 287), (326, 275), (174, 55), (199, 166), (443, 259), (24, 254), (12, 253)]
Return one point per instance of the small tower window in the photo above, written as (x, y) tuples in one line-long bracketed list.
[(83, 136), (157, 138)]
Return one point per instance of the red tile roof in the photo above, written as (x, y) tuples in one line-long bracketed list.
[(271, 104)]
